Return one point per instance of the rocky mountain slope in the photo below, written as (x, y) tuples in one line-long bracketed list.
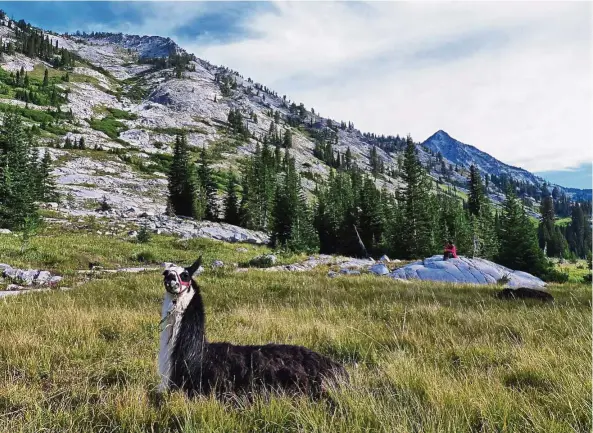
[(128, 106), (464, 154)]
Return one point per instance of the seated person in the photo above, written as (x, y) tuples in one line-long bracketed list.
[(450, 251)]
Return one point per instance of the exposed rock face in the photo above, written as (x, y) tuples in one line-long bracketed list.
[(466, 271)]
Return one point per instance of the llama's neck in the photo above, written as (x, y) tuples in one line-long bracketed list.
[(171, 315)]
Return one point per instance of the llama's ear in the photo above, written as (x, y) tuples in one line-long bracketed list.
[(196, 265)]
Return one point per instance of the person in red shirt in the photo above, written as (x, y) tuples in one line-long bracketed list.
[(450, 251)]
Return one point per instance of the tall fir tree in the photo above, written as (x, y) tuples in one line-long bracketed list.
[(231, 203), (519, 249), (418, 240), (18, 188), (184, 190), (551, 239), (476, 197), (205, 175), (47, 185)]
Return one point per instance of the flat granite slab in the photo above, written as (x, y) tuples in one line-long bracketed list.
[(463, 270)]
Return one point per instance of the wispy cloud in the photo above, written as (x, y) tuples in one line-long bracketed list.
[(512, 78)]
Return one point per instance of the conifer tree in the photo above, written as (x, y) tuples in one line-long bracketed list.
[(476, 196), (184, 192), (551, 239), (231, 203), (45, 78), (292, 222), (418, 238), (209, 188), (519, 249), (46, 184), (18, 189), (287, 139)]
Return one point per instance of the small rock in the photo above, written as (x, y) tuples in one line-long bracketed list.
[(379, 269), (146, 214), (132, 233), (384, 258), (157, 231), (5, 232), (42, 278), (13, 287), (264, 261), (239, 250), (332, 274), (217, 264), (349, 272), (54, 280)]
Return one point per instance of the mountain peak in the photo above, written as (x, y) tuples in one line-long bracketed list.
[(440, 135)]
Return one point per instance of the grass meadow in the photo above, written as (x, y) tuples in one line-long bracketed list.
[(422, 357)]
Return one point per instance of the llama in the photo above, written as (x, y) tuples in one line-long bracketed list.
[(188, 361), (524, 293)]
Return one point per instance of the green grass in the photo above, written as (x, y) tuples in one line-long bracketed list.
[(121, 114), (179, 131), (422, 357), (563, 222), (64, 251), (109, 125), (576, 271), (457, 193), (35, 115)]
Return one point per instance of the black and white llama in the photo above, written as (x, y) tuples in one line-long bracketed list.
[(189, 362)]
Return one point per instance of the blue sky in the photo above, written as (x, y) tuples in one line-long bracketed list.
[(511, 78)]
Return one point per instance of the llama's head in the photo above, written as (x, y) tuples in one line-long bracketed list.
[(178, 279)]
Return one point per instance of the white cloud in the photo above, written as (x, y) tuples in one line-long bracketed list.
[(513, 79)]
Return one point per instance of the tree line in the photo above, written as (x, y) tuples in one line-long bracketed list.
[(25, 178), (348, 214)]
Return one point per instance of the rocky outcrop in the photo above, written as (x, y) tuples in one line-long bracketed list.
[(464, 270), (18, 279)]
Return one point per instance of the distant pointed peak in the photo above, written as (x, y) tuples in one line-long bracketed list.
[(441, 133), (441, 136)]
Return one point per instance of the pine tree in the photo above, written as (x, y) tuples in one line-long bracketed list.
[(183, 186), (418, 238), (46, 185), (519, 249), (287, 139), (18, 189), (292, 219), (231, 203), (476, 196), (551, 239), (209, 187)]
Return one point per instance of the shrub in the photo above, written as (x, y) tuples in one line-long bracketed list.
[(144, 257), (555, 276), (144, 235), (104, 206)]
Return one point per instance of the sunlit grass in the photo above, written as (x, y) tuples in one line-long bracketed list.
[(425, 358), (422, 357)]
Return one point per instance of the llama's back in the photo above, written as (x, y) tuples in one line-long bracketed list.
[(226, 368)]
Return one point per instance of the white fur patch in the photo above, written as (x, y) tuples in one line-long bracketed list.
[(171, 315)]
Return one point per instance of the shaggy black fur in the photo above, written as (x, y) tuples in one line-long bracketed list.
[(200, 367), (524, 293)]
